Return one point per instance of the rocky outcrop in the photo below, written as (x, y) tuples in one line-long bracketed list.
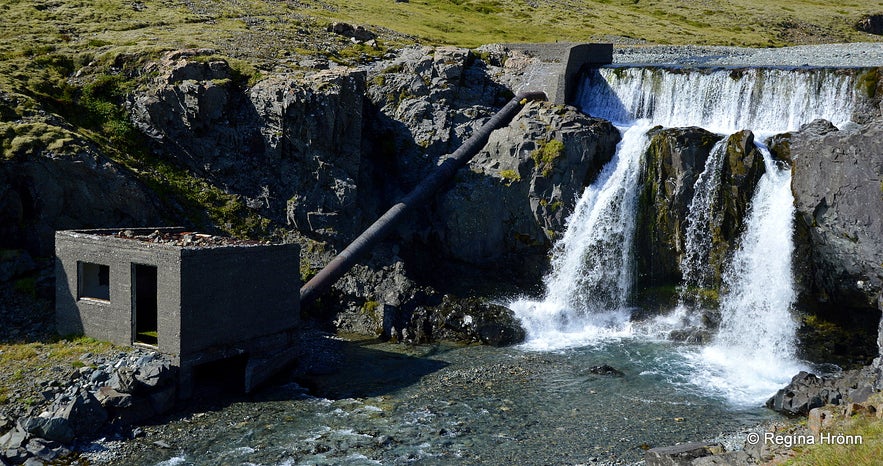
[(742, 168), (838, 194), (673, 162), (50, 190), (522, 187), (808, 391), (290, 146)]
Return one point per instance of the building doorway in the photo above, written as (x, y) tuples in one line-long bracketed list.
[(144, 304)]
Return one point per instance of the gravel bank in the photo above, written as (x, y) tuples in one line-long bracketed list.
[(864, 54)]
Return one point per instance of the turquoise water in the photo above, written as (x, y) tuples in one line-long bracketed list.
[(445, 404)]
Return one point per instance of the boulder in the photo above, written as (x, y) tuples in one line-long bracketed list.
[(13, 439), (53, 428), (46, 450), (123, 380), (153, 373), (110, 398), (819, 419), (85, 414), (680, 455), (465, 320), (605, 369), (837, 198), (872, 24), (805, 392)]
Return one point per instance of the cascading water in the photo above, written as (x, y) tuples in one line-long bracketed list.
[(697, 238), (592, 264), (753, 353)]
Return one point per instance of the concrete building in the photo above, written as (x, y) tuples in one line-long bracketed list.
[(201, 299)]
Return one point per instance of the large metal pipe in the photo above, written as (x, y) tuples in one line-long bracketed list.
[(347, 258)]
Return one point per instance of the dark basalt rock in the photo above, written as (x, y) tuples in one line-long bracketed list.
[(807, 391), (465, 320), (872, 24), (607, 370), (838, 195)]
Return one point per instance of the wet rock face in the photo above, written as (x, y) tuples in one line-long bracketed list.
[(743, 166), (839, 196), (672, 164)]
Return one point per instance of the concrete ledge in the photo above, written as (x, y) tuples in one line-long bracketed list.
[(560, 66)]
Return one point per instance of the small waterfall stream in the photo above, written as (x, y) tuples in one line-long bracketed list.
[(591, 277), (587, 292), (697, 238)]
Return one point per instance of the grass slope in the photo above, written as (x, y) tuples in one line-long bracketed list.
[(712, 22)]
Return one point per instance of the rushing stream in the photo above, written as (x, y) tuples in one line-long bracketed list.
[(544, 402), (446, 404)]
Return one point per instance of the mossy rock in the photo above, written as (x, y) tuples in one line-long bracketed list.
[(674, 160)]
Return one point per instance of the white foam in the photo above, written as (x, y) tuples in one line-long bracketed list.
[(588, 288)]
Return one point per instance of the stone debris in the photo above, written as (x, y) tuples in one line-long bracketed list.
[(106, 395), (186, 239)]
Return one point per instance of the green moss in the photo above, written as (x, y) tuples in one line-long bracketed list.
[(868, 82), (545, 154), (21, 140), (306, 271), (510, 176), (555, 205), (370, 307)]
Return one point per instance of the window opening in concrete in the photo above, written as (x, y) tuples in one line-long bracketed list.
[(93, 281), (224, 376), (144, 305)]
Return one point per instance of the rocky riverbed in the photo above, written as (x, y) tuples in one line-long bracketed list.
[(821, 55)]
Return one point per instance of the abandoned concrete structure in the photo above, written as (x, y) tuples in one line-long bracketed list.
[(201, 299)]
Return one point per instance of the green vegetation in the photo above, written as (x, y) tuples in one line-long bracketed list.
[(510, 176), (544, 156), (867, 453), (869, 82), (22, 359), (474, 22), (370, 307)]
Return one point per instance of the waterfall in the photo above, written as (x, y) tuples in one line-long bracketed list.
[(592, 264), (588, 288), (722, 101), (697, 238), (754, 348)]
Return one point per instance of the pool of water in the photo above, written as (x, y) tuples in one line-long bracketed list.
[(447, 404)]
